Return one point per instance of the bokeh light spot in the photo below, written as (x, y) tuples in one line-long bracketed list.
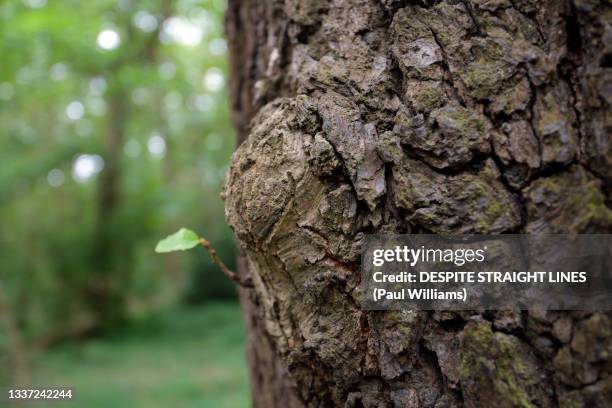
[(214, 80), (59, 71), (75, 111), (156, 145), (97, 86), (55, 178), (35, 4), (217, 46), (181, 31), (86, 166), (108, 39), (145, 21)]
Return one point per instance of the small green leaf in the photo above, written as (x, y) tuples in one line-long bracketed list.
[(181, 240)]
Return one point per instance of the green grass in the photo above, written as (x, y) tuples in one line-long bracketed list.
[(189, 357)]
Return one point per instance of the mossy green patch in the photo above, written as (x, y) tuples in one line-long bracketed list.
[(496, 360)]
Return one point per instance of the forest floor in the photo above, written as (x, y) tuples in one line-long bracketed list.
[(187, 357)]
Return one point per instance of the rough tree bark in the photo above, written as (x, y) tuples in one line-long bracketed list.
[(376, 116)]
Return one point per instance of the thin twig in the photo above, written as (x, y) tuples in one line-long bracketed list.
[(244, 282)]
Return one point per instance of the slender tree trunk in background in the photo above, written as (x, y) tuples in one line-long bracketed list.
[(388, 116), (110, 261), (105, 296)]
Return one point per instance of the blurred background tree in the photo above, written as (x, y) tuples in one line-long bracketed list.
[(114, 131)]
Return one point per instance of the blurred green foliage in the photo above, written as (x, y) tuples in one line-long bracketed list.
[(179, 358), (114, 131)]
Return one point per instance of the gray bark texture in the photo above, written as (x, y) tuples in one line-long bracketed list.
[(388, 116)]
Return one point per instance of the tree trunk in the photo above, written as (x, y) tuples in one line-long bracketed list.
[(103, 293), (362, 116)]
